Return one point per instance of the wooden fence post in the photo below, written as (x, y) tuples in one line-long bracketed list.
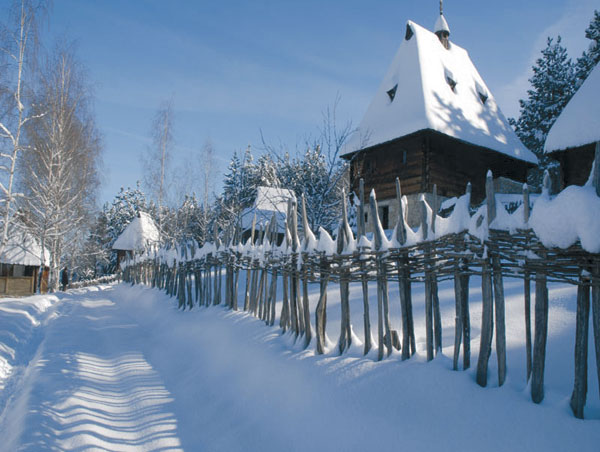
[(428, 291), (541, 322), (462, 331), (306, 305), (435, 301), (581, 348), (500, 320), (364, 277), (384, 330), (596, 311), (487, 316), (345, 339), (408, 333), (596, 169), (527, 287), (321, 311)]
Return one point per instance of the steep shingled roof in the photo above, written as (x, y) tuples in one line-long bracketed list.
[(430, 87)]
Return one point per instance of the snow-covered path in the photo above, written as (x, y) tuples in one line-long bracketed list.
[(121, 369)]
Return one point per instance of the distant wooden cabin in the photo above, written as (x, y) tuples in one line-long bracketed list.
[(140, 235), (433, 121), (269, 201), (20, 265), (573, 138)]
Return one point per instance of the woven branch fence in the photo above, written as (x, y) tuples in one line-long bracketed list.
[(429, 258)]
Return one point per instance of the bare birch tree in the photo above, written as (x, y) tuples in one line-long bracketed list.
[(59, 172), (17, 43), (157, 162)]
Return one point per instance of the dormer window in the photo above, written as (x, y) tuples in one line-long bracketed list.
[(450, 80), (482, 93), (392, 92), (409, 33)]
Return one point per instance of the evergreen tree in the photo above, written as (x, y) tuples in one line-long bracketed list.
[(552, 85), (590, 58)]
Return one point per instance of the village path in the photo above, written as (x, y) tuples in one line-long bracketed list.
[(121, 368)]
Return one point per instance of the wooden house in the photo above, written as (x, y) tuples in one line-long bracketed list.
[(269, 201), (140, 235), (433, 121), (575, 135), (20, 265)]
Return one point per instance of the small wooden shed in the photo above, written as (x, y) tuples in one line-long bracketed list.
[(20, 265), (433, 121), (140, 235), (269, 201), (575, 136)]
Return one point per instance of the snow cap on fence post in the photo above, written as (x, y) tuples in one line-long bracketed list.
[(308, 233), (253, 230), (490, 197), (423, 217), (377, 228), (546, 184), (347, 229), (294, 231), (288, 225), (274, 228), (400, 227), (434, 207), (361, 208)]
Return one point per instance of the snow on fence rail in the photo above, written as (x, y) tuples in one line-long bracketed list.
[(559, 240), (92, 282)]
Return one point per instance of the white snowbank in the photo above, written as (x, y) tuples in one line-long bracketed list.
[(574, 215)]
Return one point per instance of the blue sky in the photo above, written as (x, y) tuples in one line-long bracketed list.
[(235, 68)]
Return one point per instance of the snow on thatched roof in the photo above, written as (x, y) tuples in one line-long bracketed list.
[(579, 122), (22, 249), (269, 201), (430, 87), (138, 235)]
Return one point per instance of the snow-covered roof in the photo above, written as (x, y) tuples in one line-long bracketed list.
[(23, 249), (269, 201), (138, 235), (417, 94), (579, 122)]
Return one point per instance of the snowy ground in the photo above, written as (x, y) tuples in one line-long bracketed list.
[(120, 368)]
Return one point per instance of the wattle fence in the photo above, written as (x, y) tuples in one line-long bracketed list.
[(559, 240)]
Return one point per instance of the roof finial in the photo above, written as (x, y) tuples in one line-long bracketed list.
[(441, 28)]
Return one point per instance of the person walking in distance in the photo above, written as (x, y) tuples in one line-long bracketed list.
[(64, 278)]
